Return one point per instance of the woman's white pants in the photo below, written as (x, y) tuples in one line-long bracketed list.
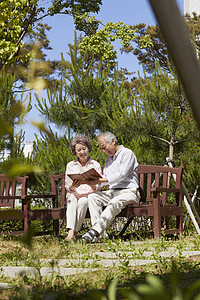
[(76, 211)]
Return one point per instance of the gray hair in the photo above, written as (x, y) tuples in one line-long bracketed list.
[(109, 137), (80, 139)]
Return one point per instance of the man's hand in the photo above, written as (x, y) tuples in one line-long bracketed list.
[(96, 180)]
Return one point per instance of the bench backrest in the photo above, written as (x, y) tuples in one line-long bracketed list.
[(158, 176), (12, 189), (58, 188), (149, 176)]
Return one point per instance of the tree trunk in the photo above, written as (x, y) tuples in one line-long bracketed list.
[(171, 155)]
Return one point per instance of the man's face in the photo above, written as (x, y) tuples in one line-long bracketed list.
[(106, 147)]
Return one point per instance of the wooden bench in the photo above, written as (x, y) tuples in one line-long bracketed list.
[(10, 191), (156, 183), (13, 189), (161, 197)]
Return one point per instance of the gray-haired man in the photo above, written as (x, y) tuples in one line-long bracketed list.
[(120, 172)]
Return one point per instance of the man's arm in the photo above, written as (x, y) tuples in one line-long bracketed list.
[(117, 172)]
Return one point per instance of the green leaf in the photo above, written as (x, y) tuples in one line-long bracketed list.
[(13, 169), (112, 289), (154, 289), (41, 126), (5, 128), (189, 292)]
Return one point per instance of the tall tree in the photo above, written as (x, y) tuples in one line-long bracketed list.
[(19, 17), (157, 49), (85, 96), (12, 114), (160, 118), (37, 43)]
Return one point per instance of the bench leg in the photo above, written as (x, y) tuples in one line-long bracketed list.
[(26, 208), (157, 217), (56, 227), (179, 223), (126, 226)]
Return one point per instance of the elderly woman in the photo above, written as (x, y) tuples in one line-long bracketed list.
[(77, 192)]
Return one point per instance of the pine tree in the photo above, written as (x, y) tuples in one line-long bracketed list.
[(157, 50), (158, 123), (12, 114), (83, 98)]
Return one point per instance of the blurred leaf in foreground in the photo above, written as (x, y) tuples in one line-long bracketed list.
[(12, 168)]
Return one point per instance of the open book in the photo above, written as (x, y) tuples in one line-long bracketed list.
[(85, 176)]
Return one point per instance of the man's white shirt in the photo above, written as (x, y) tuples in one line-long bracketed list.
[(121, 169)]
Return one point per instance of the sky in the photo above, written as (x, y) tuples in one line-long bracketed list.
[(130, 12)]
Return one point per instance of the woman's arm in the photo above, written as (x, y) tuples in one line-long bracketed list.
[(70, 185)]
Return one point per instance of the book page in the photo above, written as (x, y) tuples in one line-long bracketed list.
[(76, 177), (85, 176), (90, 174)]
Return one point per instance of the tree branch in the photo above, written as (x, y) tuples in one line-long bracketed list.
[(161, 139), (27, 26)]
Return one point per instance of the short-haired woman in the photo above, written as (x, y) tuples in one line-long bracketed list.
[(77, 192)]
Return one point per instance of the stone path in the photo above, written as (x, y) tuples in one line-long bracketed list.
[(65, 267)]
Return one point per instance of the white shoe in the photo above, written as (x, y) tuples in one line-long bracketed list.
[(89, 236), (103, 236)]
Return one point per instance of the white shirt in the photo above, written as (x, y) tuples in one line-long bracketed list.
[(74, 167), (121, 169)]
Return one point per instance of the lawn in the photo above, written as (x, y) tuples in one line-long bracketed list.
[(107, 268)]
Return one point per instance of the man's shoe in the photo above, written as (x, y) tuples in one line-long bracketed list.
[(97, 239), (89, 236)]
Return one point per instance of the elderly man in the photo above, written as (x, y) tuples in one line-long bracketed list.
[(120, 173)]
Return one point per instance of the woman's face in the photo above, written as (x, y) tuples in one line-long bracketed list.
[(82, 152)]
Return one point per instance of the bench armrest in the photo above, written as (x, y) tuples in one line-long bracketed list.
[(53, 196), (27, 199), (167, 190), (10, 197)]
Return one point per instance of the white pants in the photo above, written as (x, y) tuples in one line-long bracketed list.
[(114, 200), (76, 211)]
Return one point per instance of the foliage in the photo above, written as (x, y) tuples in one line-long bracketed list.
[(193, 24), (157, 50), (35, 42), (11, 225), (78, 7), (166, 116), (16, 18), (56, 153), (83, 98), (12, 114), (100, 42), (19, 17), (159, 115), (154, 288)]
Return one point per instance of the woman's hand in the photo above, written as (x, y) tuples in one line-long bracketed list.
[(75, 184)]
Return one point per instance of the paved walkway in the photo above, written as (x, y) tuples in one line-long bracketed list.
[(65, 267)]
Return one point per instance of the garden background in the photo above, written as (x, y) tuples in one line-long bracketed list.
[(87, 92)]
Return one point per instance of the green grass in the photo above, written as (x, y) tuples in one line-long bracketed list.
[(45, 251)]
